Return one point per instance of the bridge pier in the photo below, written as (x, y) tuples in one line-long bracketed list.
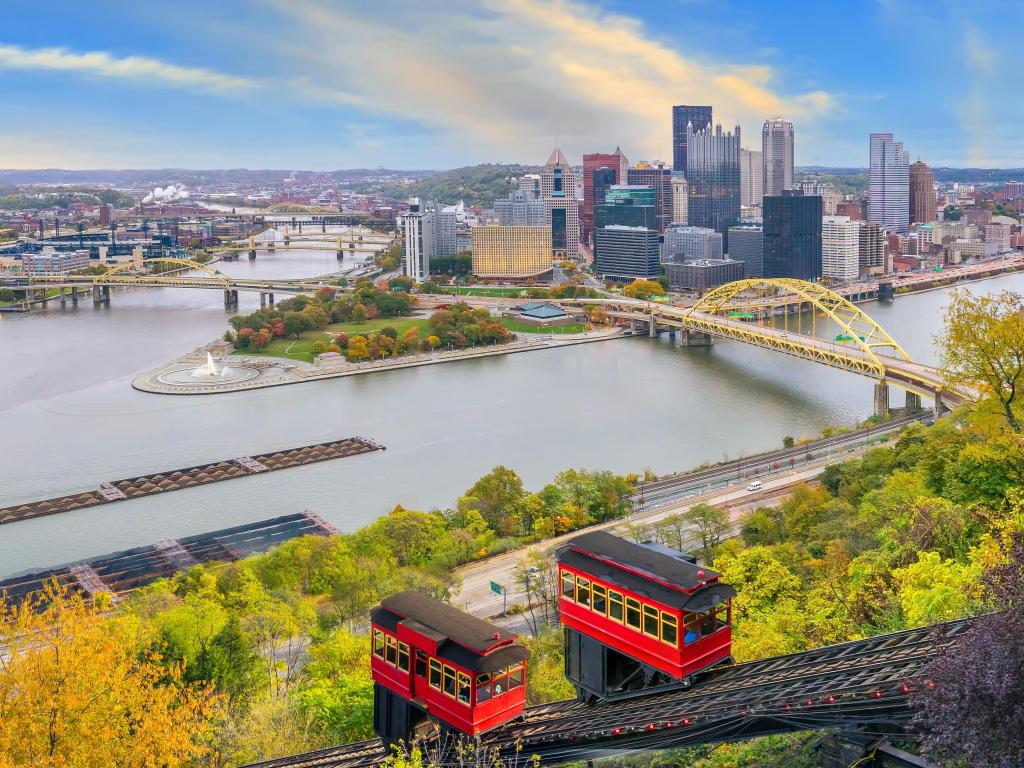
[(882, 399), (939, 407), (341, 255), (230, 298), (695, 339), (100, 294), (652, 327), (252, 254), (913, 403), (74, 297), (63, 298)]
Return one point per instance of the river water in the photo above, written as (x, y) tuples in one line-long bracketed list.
[(69, 419)]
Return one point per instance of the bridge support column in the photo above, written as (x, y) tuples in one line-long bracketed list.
[(101, 294), (341, 255), (939, 407), (252, 254), (913, 403), (695, 339), (74, 297), (882, 399), (230, 298), (263, 300), (270, 299), (64, 298), (652, 327)]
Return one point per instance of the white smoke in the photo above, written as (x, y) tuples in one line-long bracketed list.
[(167, 194)]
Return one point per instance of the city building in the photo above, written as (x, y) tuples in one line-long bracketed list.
[(613, 168), (889, 183), (686, 243), (511, 252), (682, 116), (529, 183), (746, 244), (519, 210), (558, 191), (629, 205), (922, 194), (968, 249), (751, 178), (999, 235), (1014, 190), (713, 173), (106, 214), (830, 197), (418, 230), (703, 275), (626, 253), (679, 198), (792, 235), (840, 248), (659, 178), (446, 241), (50, 261), (777, 155), (852, 208), (871, 249)]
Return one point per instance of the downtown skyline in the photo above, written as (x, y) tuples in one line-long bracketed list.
[(335, 84)]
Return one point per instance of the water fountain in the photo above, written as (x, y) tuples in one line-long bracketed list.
[(210, 370), (208, 375)]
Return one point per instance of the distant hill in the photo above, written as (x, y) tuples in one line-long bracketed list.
[(475, 184)]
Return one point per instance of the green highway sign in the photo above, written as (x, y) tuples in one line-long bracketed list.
[(496, 588)]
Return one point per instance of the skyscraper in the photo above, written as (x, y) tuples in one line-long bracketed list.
[(417, 227), (617, 163), (751, 177), (519, 210), (626, 253), (777, 151), (889, 187), (659, 178), (682, 116), (713, 173), (922, 194), (630, 205), (558, 191), (679, 198), (686, 243), (746, 244), (792, 236), (871, 248), (840, 248)]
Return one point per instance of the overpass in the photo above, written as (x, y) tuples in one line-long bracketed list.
[(749, 311), (862, 686), (126, 276)]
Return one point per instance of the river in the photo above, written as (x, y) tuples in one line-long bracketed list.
[(69, 419)]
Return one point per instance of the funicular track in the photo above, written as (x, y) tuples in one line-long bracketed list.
[(862, 683)]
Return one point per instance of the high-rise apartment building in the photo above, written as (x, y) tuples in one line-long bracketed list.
[(889, 186), (682, 116), (520, 210), (922, 194), (751, 178), (871, 249), (685, 243), (618, 165), (626, 253), (1014, 190), (659, 178), (746, 244), (777, 155), (830, 197), (558, 191), (792, 235), (840, 248), (511, 252), (679, 198), (713, 173), (417, 227)]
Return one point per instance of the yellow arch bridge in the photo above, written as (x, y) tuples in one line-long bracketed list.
[(140, 275), (751, 311)]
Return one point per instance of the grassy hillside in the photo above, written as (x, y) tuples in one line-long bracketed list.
[(475, 184)]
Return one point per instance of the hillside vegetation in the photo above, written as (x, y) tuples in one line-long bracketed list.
[(475, 184)]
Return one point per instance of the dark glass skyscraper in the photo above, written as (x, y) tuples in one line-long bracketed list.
[(627, 205), (683, 115), (713, 174), (659, 178), (792, 235)]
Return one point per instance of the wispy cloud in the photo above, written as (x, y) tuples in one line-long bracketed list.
[(976, 114), (513, 74), (139, 68)]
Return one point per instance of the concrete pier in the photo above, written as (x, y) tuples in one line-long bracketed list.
[(101, 294), (913, 403), (695, 339), (252, 254), (882, 399), (231, 298)]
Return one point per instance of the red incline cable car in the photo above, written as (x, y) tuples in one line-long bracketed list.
[(638, 617), (436, 669)]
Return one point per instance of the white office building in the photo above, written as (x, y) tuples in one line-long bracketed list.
[(680, 198), (751, 178), (840, 248), (418, 228), (889, 187), (685, 243)]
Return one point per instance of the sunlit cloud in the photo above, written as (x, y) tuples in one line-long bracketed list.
[(102, 64)]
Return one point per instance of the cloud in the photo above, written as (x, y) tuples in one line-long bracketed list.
[(511, 75), (976, 114), (102, 64)]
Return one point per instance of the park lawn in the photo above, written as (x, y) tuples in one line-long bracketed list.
[(513, 325), (470, 290), (302, 347)]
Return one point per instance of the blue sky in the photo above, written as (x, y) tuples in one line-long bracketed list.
[(326, 84)]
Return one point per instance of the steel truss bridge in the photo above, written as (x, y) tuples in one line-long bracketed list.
[(132, 275), (862, 346), (861, 686), (358, 239)]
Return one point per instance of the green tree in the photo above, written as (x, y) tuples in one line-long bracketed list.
[(498, 495), (710, 524)]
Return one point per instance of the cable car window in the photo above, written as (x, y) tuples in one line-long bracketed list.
[(403, 657), (600, 598), (632, 613), (378, 643), (449, 680), (421, 664), (583, 591), (568, 585), (707, 623), (651, 621), (614, 605), (515, 678), (463, 688), (483, 688), (669, 629), (435, 674), (390, 650)]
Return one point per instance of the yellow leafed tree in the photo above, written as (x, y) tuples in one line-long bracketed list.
[(77, 689)]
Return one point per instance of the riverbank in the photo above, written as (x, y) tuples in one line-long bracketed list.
[(257, 372)]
